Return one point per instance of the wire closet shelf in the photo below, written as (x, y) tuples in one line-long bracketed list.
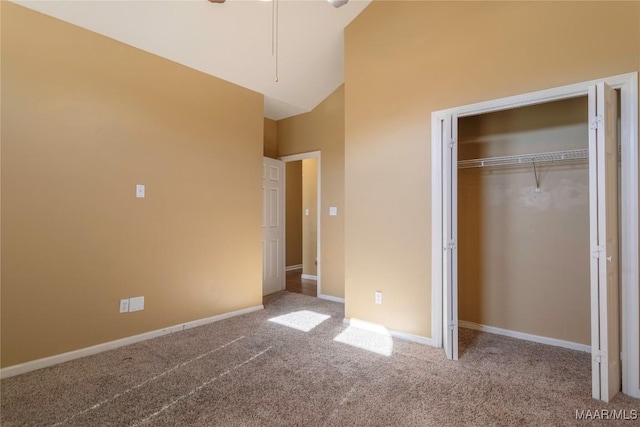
[(524, 159)]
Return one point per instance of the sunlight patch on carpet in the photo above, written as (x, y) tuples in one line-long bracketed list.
[(377, 341), (303, 320)]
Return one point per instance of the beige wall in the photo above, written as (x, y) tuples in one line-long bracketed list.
[(404, 60), (323, 129), (294, 213), (270, 138), (524, 255), (85, 119), (310, 216)]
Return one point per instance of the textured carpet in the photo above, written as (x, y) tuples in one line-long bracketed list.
[(253, 371)]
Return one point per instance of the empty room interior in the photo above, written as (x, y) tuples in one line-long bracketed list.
[(319, 212)]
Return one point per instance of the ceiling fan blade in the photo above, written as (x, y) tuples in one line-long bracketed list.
[(338, 3), (334, 3)]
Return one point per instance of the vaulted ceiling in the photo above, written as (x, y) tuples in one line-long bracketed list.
[(232, 40)]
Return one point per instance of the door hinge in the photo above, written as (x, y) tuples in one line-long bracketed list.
[(597, 252), (594, 124), (451, 245), (452, 326), (451, 143), (599, 355)]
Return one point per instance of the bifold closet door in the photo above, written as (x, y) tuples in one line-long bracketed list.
[(450, 236), (603, 217)]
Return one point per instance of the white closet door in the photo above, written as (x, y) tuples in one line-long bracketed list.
[(450, 236), (603, 196), (273, 274)]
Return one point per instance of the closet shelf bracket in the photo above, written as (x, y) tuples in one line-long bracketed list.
[(535, 175)]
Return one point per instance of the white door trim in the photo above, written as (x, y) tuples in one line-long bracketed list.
[(295, 158), (628, 85)]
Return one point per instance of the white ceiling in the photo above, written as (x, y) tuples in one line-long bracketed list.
[(231, 41)]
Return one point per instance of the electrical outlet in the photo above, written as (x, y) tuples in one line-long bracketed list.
[(136, 304), (378, 297), (124, 305)]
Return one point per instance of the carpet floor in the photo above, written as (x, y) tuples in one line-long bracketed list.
[(296, 364)]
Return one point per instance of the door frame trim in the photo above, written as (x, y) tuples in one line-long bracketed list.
[(630, 325), (294, 158)]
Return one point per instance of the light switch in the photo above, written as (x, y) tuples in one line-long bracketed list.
[(306, 212), (140, 191), (333, 211)]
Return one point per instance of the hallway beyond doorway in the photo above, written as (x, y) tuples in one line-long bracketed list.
[(295, 283)]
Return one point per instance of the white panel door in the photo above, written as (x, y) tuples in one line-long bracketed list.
[(603, 214), (450, 236), (273, 275)]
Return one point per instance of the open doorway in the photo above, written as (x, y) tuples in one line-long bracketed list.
[(445, 222), (302, 230), (301, 226)]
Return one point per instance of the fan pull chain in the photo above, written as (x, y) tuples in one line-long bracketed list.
[(274, 35)]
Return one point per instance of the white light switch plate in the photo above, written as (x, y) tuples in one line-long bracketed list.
[(124, 305), (136, 304), (140, 191), (333, 211)]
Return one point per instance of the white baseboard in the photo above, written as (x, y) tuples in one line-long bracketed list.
[(330, 298), (527, 337), (293, 267), (309, 277), (374, 327), (33, 365)]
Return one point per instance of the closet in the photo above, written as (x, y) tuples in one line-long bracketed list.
[(521, 178), (523, 222)]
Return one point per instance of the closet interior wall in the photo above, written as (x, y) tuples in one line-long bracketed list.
[(524, 253)]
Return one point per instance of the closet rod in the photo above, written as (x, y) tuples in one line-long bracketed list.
[(556, 156)]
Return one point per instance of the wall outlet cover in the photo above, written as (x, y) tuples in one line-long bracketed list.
[(136, 304), (140, 191)]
